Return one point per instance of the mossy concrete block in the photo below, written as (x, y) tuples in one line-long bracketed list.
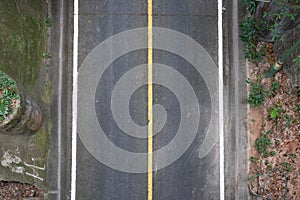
[(24, 158), (26, 120)]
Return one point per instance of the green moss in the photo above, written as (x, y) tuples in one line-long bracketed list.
[(23, 34), (47, 92), (41, 139)]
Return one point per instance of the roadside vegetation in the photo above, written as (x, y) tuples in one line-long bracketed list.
[(9, 96), (23, 50), (274, 107)]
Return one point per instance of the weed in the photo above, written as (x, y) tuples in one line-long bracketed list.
[(250, 5), (275, 113), (288, 119), (269, 132), (4, 109), (252, 159), (251, 178), (48, 22), (257, 93), (268, 164), (274, 87), (262, 143), (249, 34), (249, 30), (252, 53), (293, 156), (47, 55), (287, 167)]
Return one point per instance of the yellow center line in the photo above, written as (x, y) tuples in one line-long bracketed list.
[(150, 98)]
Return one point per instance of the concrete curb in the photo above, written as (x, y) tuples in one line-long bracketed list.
[(235, 94), (61, 68)]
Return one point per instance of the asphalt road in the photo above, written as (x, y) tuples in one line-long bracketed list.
[(113, 145)]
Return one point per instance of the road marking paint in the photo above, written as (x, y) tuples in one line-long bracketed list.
[(150, 98), (74, 100), (221, 99)]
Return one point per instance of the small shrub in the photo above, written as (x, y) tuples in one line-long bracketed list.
[(275, 113), (257, 93), (249, 33), (48, 22), (274, 87), (252, 159), (276, 19), (287, 167), (250, 5), (293, 156), (288, 119), (262, 143)]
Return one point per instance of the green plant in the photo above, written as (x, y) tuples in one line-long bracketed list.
[(297, 59), (293, 156), (268, 164), (252, 159), (269, 132), (288, 119), (287, 167), (251, 178), (275, 113), (47, 55), (262, 143), (8, 95), (48, 22), (297, 108), (274, 87), (250, 5), (257, 93), (249, 29), (276, 20), (249, 34)]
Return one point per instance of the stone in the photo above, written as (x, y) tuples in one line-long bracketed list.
[(291, 68)]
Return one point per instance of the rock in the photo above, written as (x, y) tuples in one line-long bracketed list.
[(275, 9), (291, 68)]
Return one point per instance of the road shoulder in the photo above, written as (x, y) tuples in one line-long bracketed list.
[(235, 107)]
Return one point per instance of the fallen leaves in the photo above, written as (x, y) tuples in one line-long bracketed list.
[(19, 191), (268, 172)]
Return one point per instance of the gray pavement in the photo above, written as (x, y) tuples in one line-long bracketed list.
[(112, 105), (235, 106)]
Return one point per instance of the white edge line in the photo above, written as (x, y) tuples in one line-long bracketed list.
[(74, 101), (59, 100), (221, 99)]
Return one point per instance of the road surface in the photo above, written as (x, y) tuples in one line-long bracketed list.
[(129, 67)]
